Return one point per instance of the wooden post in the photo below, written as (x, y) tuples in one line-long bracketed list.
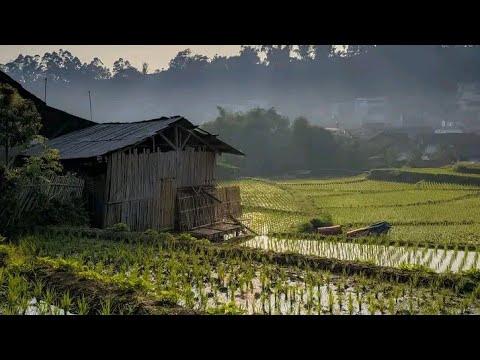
[(90, 100), (176, 137)]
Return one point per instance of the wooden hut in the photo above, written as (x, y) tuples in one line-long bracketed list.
[(156, 174)]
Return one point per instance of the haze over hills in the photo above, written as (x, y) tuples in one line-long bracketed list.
[(308, 80)]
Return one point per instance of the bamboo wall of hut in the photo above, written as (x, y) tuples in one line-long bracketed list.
[(141, 186)]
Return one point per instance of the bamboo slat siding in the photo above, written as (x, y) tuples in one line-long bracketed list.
[(197, 209), (141, 187)]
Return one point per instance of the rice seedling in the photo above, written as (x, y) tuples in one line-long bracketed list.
[(66, 302), (339, 300), (38, 289), (359, 302), (106, 307), (350, 304), (24, 304), (381, 305), (391, 305), (82, 306), (330, 301), (56, 310), (372, 308)]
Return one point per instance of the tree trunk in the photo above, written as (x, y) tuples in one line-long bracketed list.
[(6, 154)]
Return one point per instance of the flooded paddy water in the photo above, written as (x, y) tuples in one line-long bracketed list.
[(298, 294), (437, 259)]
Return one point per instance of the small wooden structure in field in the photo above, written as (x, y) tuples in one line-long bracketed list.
[(157, 174)]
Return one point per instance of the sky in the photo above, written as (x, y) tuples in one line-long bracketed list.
[(157, 56)]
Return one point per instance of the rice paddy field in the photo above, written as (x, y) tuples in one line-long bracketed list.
[(427, 264), (421, 213), (59, 273)]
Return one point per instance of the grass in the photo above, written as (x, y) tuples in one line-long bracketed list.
[(440, 171)]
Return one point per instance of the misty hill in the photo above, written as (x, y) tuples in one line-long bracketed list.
[(297, 80)]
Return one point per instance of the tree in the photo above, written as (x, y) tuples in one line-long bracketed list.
[(277, 56), (305, 52), (322, 52), (145, 68), (123, 69), (184, 61), (19, 119), (96, 70), (61, 66), (26, 69)]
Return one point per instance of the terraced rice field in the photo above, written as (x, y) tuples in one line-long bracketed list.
[(436, 226), (424, 213), (427, 264)]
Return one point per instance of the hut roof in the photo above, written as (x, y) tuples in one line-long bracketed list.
[(102, 139), (55, 122)]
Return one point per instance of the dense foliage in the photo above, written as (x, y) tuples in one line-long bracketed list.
[(275, 146), (24, 197), (19, 119)]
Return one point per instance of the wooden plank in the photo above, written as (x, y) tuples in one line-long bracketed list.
[(185, 141), (198, 137), (167, 141)]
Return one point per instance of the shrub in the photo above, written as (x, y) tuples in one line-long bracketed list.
[(325, 220), (27, 185), (313, 224), (472, 273), (187, 237), (120, 227), (151, 232), (203, 242), (416, 267), (305, 227), (467, 167), (226, 309), (168, 298), (64, 213)]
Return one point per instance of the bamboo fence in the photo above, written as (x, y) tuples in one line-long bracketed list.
[(62, 188)]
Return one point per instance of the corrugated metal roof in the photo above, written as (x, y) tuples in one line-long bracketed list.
[(101, 139)]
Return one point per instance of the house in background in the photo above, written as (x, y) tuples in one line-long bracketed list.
[(371, 112), (468, 106), (460, 146), (157, 174), (391, 147)]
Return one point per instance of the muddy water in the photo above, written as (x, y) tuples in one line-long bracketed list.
[(41, 308), (337, 296), (438, 260)]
